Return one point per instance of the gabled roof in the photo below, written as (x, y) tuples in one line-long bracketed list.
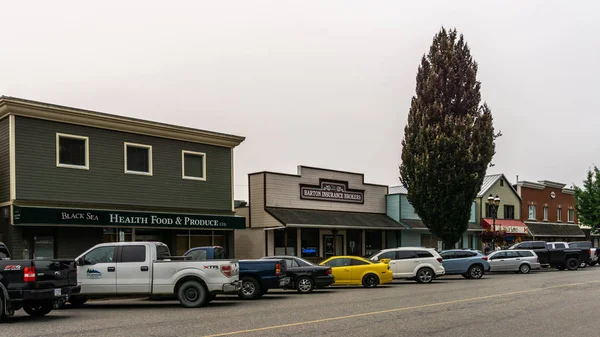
[(490, 180)]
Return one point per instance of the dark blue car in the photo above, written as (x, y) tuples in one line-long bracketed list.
[(471, 264)]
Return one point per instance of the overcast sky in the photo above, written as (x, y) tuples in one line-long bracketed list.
[(318, 83)]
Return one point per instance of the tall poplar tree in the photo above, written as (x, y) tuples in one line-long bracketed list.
[(449, 140), (588, 200)]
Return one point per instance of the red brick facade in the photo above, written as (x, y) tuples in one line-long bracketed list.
[(547, 194)]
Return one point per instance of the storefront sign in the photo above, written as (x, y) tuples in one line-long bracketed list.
[(512, 229), (329, 190), (55, 216)]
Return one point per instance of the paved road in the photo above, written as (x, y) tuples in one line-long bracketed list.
[(546, 303)]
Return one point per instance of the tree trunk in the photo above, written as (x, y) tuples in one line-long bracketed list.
[(449, 244)]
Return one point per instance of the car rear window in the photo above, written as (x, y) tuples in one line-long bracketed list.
[(423, 253), (462, 254), (525, 254)]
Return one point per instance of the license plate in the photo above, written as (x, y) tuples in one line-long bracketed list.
[(57, 292)]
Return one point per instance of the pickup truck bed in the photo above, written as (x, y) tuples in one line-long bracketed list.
[(257, 276), (35, 285)]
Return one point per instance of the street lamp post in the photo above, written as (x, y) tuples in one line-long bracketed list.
[(494, 203)]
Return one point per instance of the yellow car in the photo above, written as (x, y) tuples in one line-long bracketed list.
[(354, 270)]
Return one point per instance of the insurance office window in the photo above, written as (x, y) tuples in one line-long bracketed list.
[(138, 159), (72, 151), (309, 238), (193, 165)]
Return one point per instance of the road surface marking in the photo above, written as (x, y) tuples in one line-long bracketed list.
[(272, 327)]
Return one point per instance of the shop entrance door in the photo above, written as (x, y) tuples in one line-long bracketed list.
[(329, 247)]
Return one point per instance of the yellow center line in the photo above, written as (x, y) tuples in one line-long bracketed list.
[(272, 327)]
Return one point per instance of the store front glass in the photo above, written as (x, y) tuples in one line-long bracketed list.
[(373, 242), (309, 237), (393, 239), (117, 235), (354, 242), (285, 241), (43, 247)]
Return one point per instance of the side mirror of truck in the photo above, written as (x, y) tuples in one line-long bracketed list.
[(80, 261)]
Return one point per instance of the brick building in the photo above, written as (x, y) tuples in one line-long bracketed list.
[(548, 210)]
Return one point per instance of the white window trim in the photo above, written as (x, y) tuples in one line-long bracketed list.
[(534, 212), (183, 176), (143, 146), (559, 214), (545, 213), (87, 151)]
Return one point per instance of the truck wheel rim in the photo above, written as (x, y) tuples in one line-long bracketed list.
[(248, 288), (191, 294), (304, 285)]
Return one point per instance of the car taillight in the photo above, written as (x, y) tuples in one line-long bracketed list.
[(29, 274), (440, 259), (277, 269), (590, 252), (226, 270), (537, 259), (484, 258), (328, 271)]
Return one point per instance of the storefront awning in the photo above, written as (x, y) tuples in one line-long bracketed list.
[(550, 229), (419, 225), (511, 227), (292, 217)]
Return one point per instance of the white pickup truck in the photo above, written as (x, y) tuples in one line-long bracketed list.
[(147, 268)]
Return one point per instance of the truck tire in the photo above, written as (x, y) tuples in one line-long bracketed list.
[(77, 301), (2, 307), (251, 290), (38, 309), (192, 294), (572, 263)]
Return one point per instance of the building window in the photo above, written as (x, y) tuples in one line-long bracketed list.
[(285, 241), (373, 242), (559, 214), (509, 212), (501, 182), (138, 159), (489, 210), (72, 151), (193, 165), (571, 215), (309, 238), (531, 212), (354, 242), (545, 213)]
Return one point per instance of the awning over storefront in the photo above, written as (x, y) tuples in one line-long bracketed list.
[(419, 225), (549, 229), (511, 227), (292, 217)]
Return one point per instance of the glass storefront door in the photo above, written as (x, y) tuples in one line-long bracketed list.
[(330, 248)]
